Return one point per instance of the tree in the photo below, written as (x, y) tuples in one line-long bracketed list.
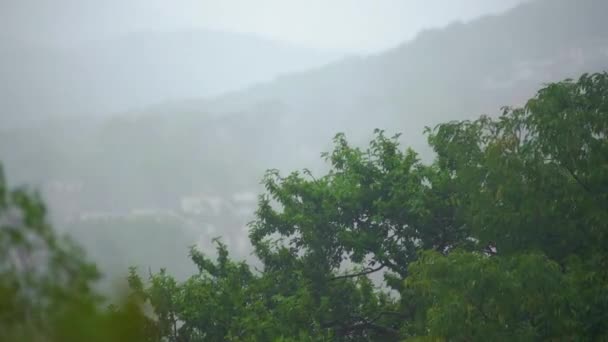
[(534, 181), (473, 297), (531, 184), (504, 236), (46, 281)]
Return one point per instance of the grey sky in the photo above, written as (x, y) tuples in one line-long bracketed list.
[(353, 25)]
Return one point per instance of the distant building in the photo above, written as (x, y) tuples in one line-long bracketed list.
[(99, 216), (247, 197), (63, 198), (202, 205), (191, 205)]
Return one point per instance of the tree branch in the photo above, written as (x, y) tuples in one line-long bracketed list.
[(578, 180), (362, 323), (362, 273)]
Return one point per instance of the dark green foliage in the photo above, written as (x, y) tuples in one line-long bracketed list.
[(501, 238), (532, 183)]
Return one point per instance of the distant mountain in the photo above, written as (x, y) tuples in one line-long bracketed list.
[(220, 145), (456, 72), (135, 70), (209, 144)]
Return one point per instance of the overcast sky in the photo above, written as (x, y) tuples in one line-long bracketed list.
[(349, 25)]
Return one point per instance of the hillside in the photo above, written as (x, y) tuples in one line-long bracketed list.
[(462, 70), (138, 69)]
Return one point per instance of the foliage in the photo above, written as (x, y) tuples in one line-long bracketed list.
[(502, 237), (470, 296), (46, 283), (531, 185), (533, 182)]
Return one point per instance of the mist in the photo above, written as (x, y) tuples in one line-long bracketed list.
[(347, 26), (148, 125)]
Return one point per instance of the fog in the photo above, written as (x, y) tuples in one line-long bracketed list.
[(147, 125), (343, 25)]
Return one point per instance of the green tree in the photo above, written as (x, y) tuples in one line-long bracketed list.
[(501, 237), (534, 182), (46, 282)]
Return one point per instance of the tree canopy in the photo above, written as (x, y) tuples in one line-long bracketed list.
[(503, 236)]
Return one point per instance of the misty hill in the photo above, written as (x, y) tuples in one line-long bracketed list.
[(219, 146), (135, 70), (459, 71), (456, 72)]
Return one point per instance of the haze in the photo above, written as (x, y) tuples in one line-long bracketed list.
[(345, 25), (147, 124)]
